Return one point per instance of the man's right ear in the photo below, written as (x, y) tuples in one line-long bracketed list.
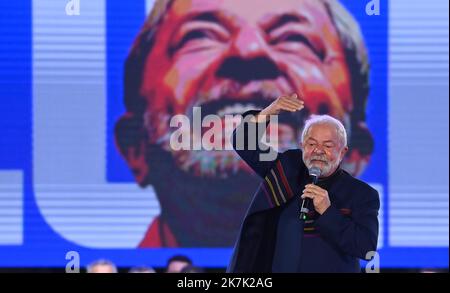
[(130, 140)]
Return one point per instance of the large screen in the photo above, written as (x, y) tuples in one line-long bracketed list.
[(88, 91)]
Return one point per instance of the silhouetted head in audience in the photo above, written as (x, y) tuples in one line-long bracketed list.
[(177, 262), (101, 266)]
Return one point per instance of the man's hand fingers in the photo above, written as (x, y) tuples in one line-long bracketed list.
[(314, 188), (291, 105), (287, 107), (307, 194), (291, 99), (294, 98), (297, 104)]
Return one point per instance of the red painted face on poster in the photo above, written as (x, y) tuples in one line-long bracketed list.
[(227, 57)]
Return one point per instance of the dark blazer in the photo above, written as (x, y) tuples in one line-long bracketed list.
[(272, 236)]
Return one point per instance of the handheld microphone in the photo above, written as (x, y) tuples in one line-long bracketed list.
[(314, 173)]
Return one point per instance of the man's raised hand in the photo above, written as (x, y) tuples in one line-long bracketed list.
[(289, 103)]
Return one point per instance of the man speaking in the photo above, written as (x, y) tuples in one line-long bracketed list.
[(280, 232)]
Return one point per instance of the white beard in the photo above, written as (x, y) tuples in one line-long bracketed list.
[(326, 169)]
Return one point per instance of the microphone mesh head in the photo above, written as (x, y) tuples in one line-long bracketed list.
[(314, 171)]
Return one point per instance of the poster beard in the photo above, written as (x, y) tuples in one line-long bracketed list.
[(208, 192)]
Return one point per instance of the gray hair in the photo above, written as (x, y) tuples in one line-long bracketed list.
[(101, 262), (326, 119)]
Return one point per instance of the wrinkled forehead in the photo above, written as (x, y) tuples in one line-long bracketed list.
[(252, 11)]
